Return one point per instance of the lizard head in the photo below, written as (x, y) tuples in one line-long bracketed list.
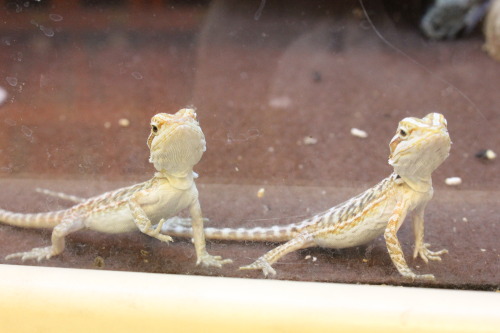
[(418, 148), (176, 142)]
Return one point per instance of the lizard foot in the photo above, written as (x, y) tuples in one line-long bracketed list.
[(426, 254), (421, 277), (210, 260), (37, 253), (260, 264), (155, 233), (176, 221), (161, 237)]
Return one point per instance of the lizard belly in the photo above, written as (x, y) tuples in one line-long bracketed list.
[(371, 227), (355, 236), (167, 202), (113, 222)]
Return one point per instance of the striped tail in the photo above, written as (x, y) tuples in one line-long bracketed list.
[(37, 221), (179, 227)]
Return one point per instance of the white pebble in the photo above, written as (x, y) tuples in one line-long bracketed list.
[(3, 95), (359, 133), (309, 140), (282, 102), (137, 75), (124, 122), (261, 192), (307, 257), (453, 181), (490, 154)]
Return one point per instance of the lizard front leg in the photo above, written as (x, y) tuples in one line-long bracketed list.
[(203, 257), (421, 248), (393, 246), (143, 223), (264, 263), (67, 226)]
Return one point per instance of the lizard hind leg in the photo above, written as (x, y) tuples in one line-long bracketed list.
[(63, 229), (264, 263)]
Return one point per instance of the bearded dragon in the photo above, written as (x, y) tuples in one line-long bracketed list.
[(417, 149), (176, 144)]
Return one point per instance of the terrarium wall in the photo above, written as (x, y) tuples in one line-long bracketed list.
[(278, 87)]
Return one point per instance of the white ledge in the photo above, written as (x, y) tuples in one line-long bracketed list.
[(41, 299)]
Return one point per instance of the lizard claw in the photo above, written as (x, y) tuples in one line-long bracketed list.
[(423, 277), (210, 260), (163, 238), (155, 233), (260, 264), (426, 254), (38, 254)]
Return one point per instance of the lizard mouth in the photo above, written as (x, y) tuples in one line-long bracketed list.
[(421, 143)]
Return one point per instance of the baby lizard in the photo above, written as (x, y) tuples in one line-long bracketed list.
[(176, 144), (417, 149)]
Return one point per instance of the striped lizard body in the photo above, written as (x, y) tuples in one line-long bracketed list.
[(340, 216), (176, 144), (87, 207), (417, 149)]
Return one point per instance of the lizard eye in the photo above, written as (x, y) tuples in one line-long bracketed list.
[(403, 133), (154, 128)]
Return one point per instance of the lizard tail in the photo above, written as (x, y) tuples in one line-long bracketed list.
[(258, 234), (37, 221)]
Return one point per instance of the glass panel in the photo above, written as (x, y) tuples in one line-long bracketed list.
[(298, 102)]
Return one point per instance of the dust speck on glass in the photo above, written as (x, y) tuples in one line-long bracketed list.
[(250, 135)]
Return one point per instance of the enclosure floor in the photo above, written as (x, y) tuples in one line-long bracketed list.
[(462, 226), (276, 95)]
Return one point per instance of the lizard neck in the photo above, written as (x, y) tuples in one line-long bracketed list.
[(179, 181), (416, 183)]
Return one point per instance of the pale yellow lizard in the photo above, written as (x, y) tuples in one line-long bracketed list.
[(176, 144), (417, 149)]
